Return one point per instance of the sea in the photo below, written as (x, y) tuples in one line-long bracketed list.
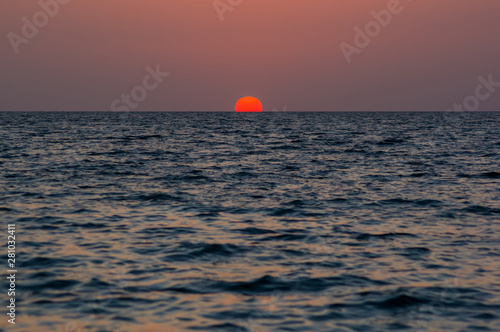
[(246, 222)]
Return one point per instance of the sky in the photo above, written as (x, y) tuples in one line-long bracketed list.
[(95, 55)]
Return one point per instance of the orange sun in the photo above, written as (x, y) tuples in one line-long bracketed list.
[(248, 104)]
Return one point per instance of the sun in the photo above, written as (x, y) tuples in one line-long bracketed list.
[(248, 104)]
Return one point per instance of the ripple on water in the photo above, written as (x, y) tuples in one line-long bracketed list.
[(216, 221)]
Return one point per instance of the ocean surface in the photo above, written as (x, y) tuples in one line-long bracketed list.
[(253, 222)]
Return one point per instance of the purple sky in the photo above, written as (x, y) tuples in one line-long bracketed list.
[(285, 52)]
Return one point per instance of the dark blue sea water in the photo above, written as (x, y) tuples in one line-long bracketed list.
[(253, 222)]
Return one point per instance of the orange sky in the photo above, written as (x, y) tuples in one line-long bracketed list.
[(285, 52)]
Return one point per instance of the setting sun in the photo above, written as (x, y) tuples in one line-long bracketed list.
[(248, 104)]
